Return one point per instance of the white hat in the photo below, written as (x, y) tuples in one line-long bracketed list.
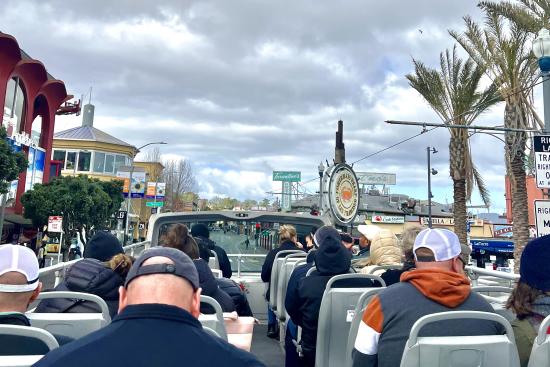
[(442, 242), (19, 259), (368, 231)]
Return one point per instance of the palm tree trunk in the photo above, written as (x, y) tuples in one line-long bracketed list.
[(515, 153), (459, 210)]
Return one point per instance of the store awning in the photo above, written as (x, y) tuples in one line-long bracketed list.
[(492, 246)]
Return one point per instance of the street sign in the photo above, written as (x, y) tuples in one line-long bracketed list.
[(541, 145), (542, 217), (287, 176), (121, 214), (55, 224), (155, 204), (375, 178), (154, 210)]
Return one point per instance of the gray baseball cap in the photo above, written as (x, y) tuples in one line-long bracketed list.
[(182, 266)]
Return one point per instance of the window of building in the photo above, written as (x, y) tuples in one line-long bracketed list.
[(99, 162), (36, 132), (120, 161), (71, 160), (59, 155), (109, 163), (84, 161), (14, 105)]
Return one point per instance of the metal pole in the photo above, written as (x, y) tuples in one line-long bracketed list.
[(320, 192), (546, 99), (3, 200), (428, 150), (126, 230)]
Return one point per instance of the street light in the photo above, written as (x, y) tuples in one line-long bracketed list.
[(541, 49), (321, 169), (127, 227), (431, 171)]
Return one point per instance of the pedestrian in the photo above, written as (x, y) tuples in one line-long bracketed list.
[(530, 299)]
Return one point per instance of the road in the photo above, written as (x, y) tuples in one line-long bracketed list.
[(235, 244)]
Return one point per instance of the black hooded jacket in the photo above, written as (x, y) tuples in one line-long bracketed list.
[(210, 288), (209, 245), (87, 276), (270, 258), (303, 305)]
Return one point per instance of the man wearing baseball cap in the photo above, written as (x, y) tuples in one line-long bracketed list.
[(368, 231), (437, 284), (157, 322)]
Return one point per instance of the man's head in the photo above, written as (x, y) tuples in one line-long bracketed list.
[(332, 257), (438, 249), (19, 284), (347, 240), (162, 275), (200, 230), (367, 234)]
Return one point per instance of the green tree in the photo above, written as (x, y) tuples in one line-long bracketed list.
[(249, 203), (503, 49), (11, 163), (264, 203), (453, 93), (86, 204)]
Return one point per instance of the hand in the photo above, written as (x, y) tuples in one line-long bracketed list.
[(299, 245)]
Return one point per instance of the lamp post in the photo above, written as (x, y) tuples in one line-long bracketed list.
[(127, 227), (541, 49), (431, 171), (321, 169)]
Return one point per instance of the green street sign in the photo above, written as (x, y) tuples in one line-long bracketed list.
[(155, 204), (288, 176)]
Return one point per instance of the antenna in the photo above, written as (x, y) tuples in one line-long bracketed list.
[(90, 99)]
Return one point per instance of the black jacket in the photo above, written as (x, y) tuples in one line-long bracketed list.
[(270, 258), (303, 304), (87, 276), (150, 335), (236, 293), (225, 264), (210, 288)]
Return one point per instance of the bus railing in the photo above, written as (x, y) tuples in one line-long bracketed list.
[(60, 269), (239, 257), (476, 273)]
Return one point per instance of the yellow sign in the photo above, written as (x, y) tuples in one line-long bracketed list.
[(52, 248)]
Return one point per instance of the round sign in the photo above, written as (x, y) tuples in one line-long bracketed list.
[(343, 194)]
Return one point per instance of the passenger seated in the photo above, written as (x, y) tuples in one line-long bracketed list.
[(303, 305), (530, 299), (236, 293), (367, 234), (178, 237), (201, 234), (288, 240), (438, 284), (19, 286), (384, 250), (101, 272), (157, 323)]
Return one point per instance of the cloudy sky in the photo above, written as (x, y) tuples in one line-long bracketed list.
[(242, 88)]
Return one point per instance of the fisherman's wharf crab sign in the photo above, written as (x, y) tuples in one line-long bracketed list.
[(343, 194)]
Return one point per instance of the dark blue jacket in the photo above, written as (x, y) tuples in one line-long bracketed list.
[(150, 335)]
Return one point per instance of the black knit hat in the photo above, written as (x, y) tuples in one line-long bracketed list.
[(102, 246), (332, 257), (534, 264), (200, 230)]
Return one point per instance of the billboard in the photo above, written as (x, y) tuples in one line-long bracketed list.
[(375, 178), (137, 185), (288, 176), (155, 190)]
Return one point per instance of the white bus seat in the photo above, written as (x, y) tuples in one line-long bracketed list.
[(293, 266), (213, 321), (14, 337), (213, 261), (380, 269), (217, 273), (19, 361), (497, 297), (333, 328), (313, 268), (540, 353), (362, 304), (72, 325), (274, 281), (459, 351), (211, 331), (284, 275)]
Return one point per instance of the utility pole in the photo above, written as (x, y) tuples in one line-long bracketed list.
[(430, 151)]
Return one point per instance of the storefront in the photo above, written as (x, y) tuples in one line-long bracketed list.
[(31, 98)]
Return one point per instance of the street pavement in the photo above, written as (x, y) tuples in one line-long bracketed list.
[(235, 244)]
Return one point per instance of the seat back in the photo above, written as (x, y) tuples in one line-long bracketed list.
[(380, 269), (277, 264), (293, 265), (19, 361), (540, 353), (211, 331), (356, 318), (213, 261), (334, 322), (284, 275), (16, 340), (217, 273), (497, 297), (213, 321), (460, 351), (71, 325)]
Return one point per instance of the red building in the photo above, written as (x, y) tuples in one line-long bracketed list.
[(533, 193), (32, 98)]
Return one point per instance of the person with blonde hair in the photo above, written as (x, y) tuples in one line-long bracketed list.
[(288, 240)]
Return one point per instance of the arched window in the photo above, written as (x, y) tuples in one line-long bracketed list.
[(14, 106)]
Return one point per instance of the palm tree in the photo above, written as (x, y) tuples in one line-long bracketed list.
[(530, 15), (503, 50), (452, 93)]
